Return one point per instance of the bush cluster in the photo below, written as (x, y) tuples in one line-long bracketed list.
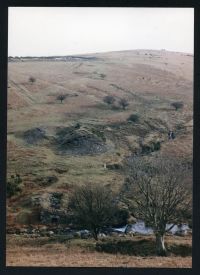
[(155, 146), (110, 100), (14, 185)]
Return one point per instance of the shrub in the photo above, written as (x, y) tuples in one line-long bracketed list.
[(61, 98), (109, 99), (32, 79), (28, 217), (123, 103), (182, 250), (77, 125), (155, 146), (140, 248), (14, 186), (133, 118), (177, 105), (23, 217), (99, 134), (126, 247)]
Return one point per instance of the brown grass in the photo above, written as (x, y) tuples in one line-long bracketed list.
[(62, 256), (147, 83), (21, 252)]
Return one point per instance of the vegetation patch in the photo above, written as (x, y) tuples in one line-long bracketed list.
[(177, 105), (27, 217), (114, 166), (46, 181), (72, 140), (60, 239), (127, 247), (34, 136), (133, 118), (143, 247), (149, 148), (99, 134), (14, 185), (182, 250)]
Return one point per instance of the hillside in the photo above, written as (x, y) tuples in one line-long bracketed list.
[(56, 145)]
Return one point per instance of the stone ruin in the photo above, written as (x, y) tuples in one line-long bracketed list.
[(51, 211), (52, 216)]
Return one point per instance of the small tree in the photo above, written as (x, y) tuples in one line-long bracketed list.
[(93, 207), (14, 185), (133, 118), (32, 79), (177, 105), (123, 103), (156, 194), (61, 98), (109, 99)]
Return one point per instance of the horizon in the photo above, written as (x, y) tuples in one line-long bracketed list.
[(93, 53)]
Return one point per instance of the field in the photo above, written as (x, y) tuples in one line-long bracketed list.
[(42, 252), (43, 131)]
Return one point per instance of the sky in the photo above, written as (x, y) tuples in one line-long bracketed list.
[(35, 31)]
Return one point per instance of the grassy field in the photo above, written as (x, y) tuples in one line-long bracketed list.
[(22, 251), (40, 128)]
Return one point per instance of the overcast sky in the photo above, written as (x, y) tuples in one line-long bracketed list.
[(67, 31)]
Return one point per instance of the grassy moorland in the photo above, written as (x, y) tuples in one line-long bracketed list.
[(137, 252), (43, 130)]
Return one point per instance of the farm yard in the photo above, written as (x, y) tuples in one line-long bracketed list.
[(75, 121)]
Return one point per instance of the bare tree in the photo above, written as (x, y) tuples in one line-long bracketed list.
[(123, 103), (157, 194), (61, 98), (177, 105), (109, 99), (93, 206), (32, 79)]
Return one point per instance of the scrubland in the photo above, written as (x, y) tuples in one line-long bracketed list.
[(42, 131)]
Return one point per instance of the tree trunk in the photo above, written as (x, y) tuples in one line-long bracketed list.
[(95, 234), (160, 245)]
